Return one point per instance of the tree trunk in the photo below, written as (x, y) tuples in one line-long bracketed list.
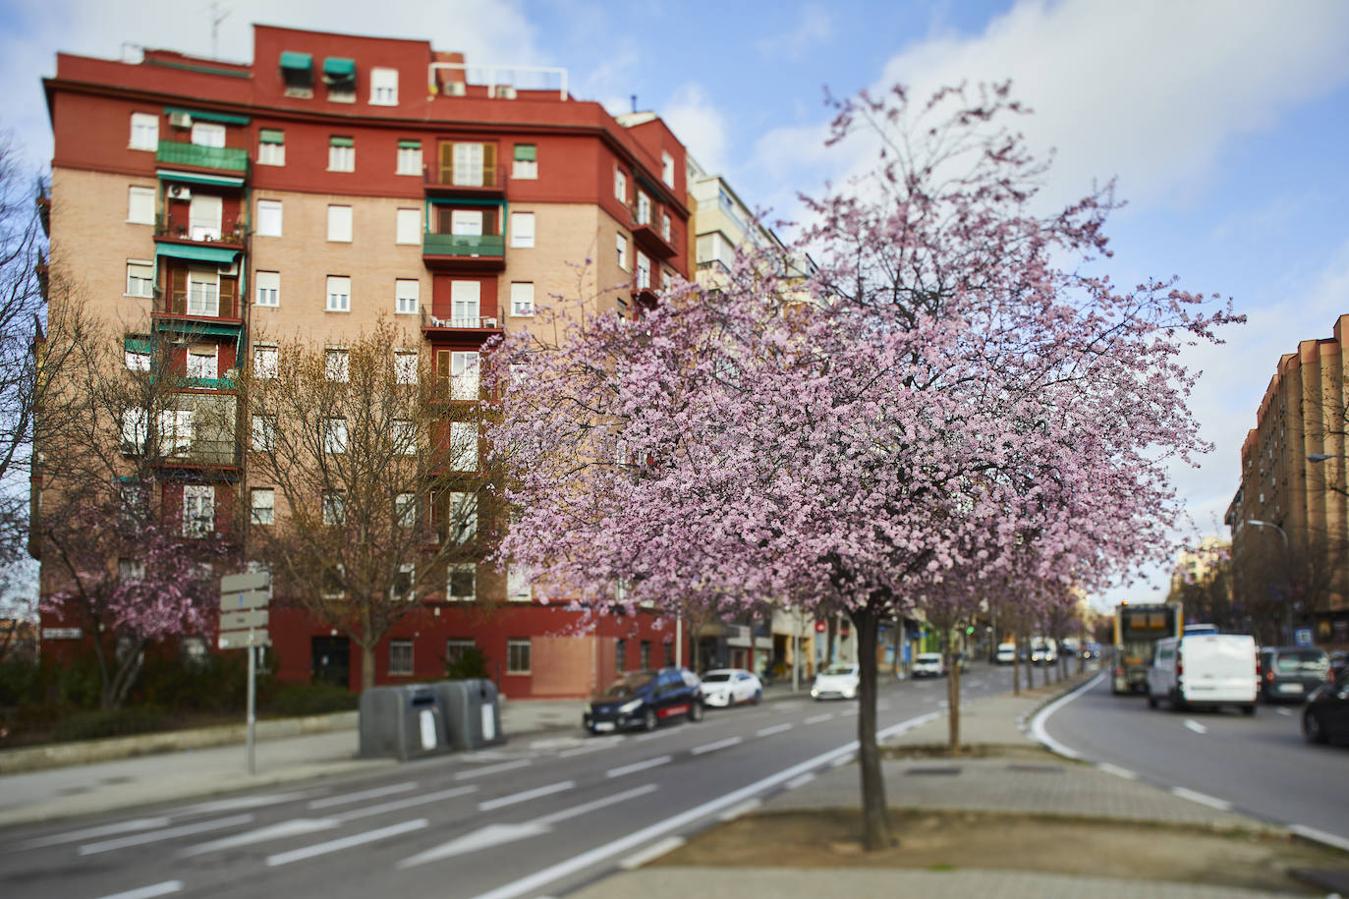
[(367, 665), (829, 647), (1016, 665), (750, 664), (952, 701), (899, 629), (875, 817)]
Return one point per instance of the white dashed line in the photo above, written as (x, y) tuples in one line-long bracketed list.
[(651, 853), (359, 839), (1202, 799), (161, 835), (1284, 712), (596, 746), (816, 719), (1117, 771), (713, 747), (363, 794), (775, 729), (1195, 726), (398, 805), (639, 766), (105, 830), (166, 888), (526, 795), (491, 769)]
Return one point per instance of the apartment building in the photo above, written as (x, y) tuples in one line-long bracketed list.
[(332, 182), (1289, 519)]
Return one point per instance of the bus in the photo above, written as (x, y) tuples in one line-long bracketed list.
[(1137, 630)]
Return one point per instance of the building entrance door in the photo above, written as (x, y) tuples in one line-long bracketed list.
[(331, 661)]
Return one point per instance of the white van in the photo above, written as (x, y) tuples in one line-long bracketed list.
[(1204, 670), (1006, 653)]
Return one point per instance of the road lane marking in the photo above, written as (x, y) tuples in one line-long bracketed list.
[(775, 729), (398, 805), (743, 808), (596, 746), (284, 830), (799, 781), (1117, 771), (359, 839), (526, 795), (655, 734), (1320, 836), (531, 883), (492, 769), (713, 747), (841, 761), (1202, 799), (105, 830), (651, 853), (1195, 726), (166, 888), (1037, 724), (587, 807), (639, 766), (816, 719), (1284, 712), (161, 835), (363, 794), (239, 803)]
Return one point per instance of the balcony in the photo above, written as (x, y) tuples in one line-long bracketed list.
[(223, 159), (230, 234), (649, 238), (464, 252), (199, 431), (482, 325), (452, 181), (200, 311)]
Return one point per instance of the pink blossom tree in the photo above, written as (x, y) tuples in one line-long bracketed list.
[(954, 392)]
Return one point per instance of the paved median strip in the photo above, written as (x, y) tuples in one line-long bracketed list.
[(359, 839), (639, 766), (525, 796)]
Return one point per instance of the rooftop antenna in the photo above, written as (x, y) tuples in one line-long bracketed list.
[(216, 18), (634, 102)]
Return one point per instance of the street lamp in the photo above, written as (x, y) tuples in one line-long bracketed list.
[(1269, 524), (1288, 611), (1319, 457)]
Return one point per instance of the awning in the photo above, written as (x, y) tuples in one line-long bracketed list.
[(294, 61), (197, 328), (409, 145), (205, 115), (526, 152), (339, 68), (271, 136), (341, 142), (198, 178), (195, 253), (137, 344)]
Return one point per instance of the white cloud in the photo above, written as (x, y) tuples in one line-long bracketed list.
[(813, 27), (699, 124)]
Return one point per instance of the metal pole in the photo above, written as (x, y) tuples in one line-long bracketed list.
[(796, 653), (679, 641), (252, 702)]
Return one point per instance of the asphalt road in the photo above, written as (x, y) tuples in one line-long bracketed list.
[(536, 817), (1259, 766)]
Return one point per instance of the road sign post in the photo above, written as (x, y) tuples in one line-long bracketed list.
[(244, 599)]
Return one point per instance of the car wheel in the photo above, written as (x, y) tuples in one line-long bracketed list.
[(758, 697), (695, 711), (1312, 729), (1248, 710), (1152, 701), (649, 721)]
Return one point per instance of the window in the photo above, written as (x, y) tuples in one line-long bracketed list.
[(525, 165), (383, 87), (137, 353), (336, 365), (517, 656), (264, 362), (644, 655), (665, 225), (668, 652), (468, 164), (518, 588), (464, 368), (522, 229), (144, 131), (140, 278), (334, 508), (463, 446), (341, 154), (203, 217), (667, 170), (269, 288), (271, 147), (175, 431), (463, 516), (522, 298), (466, 222), (409, 158), (140, 206), (456, 648), (408, 226), (643, 209), (334, 436), (643, 271), (129, 571), (208, 134), (404, 582), (407, 296), (464, 302), (133, 431), (269, 218), (263, 504), (405, 510), (339, 293), (620, 654), (264, 433), (203, 292), (404, 437), (461, 583), (622, 244), (334, 581), (621, 186), (405, 366), (203, 362), (339, 224), (400, 651), (198, 510)]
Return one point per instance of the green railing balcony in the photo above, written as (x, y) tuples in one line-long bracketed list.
[(493, 245), (229, 159)]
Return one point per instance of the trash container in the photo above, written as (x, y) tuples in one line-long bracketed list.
[(472, 713), (403, 722)]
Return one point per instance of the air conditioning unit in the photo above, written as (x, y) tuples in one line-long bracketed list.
[(456, 89), (504, 92), (179, 192), (180, 120), (231, 269), (489, 323)]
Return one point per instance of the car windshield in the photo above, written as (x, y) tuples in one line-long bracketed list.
[(627, 686), (1301, 660), (838, 669), (716, 677), (929, 657)]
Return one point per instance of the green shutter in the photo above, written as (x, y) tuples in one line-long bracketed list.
[(339, 68), (297, 62), (271, 136), (526, 153), (409, 145), (341, 142)]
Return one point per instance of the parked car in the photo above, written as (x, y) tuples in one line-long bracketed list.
[(1091, 651), (841, 681), (1204, 670), (726, 687), (928, 664), (1043, 651), (644, 699), (1326, 717), (1291, 673), (1006, 653)]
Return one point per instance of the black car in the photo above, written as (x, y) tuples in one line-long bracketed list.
[(1291, 673), (1326, 717), (643, 699)]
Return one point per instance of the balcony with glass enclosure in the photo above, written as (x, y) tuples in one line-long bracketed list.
[(463, 235)]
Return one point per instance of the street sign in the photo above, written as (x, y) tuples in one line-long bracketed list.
[(1302, 636), (242, 621), (240, 583), (241, 639), (62, 633), (238, 602)]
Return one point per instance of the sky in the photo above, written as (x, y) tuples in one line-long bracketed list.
[(1224, 124)]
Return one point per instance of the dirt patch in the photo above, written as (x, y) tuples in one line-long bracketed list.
[(971, 751), (951, 840)]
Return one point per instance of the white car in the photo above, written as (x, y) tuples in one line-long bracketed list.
[(1006, 653), (836, 680), (725, 687), (928, 664)]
